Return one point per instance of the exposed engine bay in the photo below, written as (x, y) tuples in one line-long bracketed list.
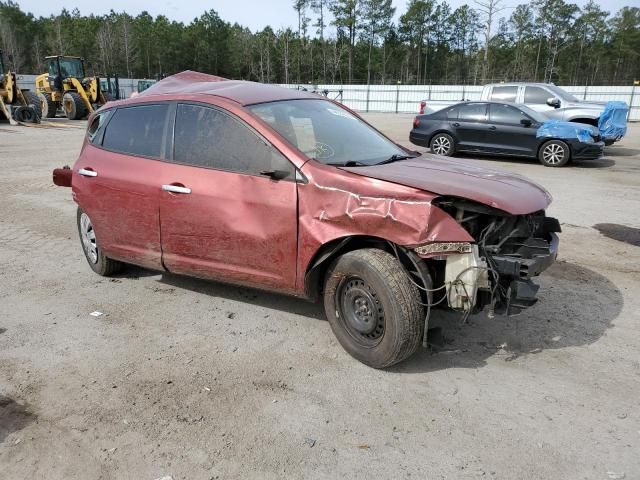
[(497, 270)]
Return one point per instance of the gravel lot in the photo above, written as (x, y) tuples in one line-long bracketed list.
[(197, 380)]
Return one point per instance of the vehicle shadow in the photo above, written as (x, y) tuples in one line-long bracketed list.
[(576, 307), (260, 298), (600, 163), (13, 417), (619, 151)]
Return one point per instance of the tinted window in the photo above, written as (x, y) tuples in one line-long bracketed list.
[(98, 121), (137, 130), (209, 138), (452, 114), (473, 112), (536, 96), (505, 114), (504, 94)]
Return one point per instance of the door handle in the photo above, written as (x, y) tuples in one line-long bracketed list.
[(87, 172), (492, 127), (176, 189), (455, 124)]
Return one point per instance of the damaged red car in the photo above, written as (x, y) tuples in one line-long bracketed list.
[(288, 191)]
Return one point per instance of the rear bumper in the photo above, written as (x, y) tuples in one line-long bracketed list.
[(418, 138), (587, 151)]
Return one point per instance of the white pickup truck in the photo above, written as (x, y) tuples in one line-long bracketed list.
[(547, 98)]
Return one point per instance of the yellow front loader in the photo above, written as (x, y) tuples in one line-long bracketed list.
[(16, 105), (65, 85)]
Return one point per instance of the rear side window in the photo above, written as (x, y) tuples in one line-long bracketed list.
[(452, 114), (504, 94), (95, 129), (505, 114), (536, 96), (208, 137), (137, 130), (473, 112)]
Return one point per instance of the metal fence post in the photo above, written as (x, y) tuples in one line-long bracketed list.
[(633, 94), (368, 90), (586, 88), (429, 93), (397, 95)]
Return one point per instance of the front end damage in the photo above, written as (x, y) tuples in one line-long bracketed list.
[(496, 270)]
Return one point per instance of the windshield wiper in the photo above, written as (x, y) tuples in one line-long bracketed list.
[(395, 158), (348, 163)]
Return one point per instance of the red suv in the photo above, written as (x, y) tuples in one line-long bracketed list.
[(288, 191)]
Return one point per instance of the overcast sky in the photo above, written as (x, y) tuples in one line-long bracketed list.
[(254, 14)]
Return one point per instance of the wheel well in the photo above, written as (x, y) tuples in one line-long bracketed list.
[(324, 257), (557, 140), (588, 121)]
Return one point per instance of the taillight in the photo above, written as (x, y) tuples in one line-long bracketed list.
[(422, 105), (416, 122)]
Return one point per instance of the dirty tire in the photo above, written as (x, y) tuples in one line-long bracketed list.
[(74, 106), (47, 105), (99, 263), (442, 144), (554, 153), (33, 99), (373, 278)]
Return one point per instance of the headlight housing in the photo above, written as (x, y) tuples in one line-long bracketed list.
[(438, 248)]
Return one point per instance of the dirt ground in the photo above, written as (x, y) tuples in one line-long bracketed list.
[(190, 379)]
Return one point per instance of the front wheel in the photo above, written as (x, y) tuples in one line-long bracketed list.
[(442, 144), (98, 261), (373, 308), (554, 153)]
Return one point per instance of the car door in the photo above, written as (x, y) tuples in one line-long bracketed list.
[(470, 127), (228, 207), (115, 181), (536, 98), (506, 134)]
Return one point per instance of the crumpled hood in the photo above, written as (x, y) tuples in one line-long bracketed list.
[(500, 189)]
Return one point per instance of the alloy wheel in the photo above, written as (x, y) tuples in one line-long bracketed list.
[(88, 237), (441, 145), (553, 154)]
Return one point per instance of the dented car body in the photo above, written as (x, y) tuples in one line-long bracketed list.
[(283, 190)]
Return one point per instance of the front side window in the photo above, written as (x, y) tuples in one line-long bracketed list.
[(504, 94), (137, 130), (536, 96), (473, 112), (499, 113), (326, 132), (208, 137)]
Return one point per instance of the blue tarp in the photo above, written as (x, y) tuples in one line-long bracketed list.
[(567, 130), (613, 120)]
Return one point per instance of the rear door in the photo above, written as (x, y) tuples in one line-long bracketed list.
[(470, 127), (507, 135), (221, 214), (115, 181)]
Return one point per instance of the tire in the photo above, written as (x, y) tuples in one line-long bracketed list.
[(47, 105), (97, 260), (33, 100), (74, 106), (442, 144), (554, 153), (373, 308)]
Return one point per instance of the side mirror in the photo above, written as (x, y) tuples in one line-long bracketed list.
[(553, 102), (525, 122)]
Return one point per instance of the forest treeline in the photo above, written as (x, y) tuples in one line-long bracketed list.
[(347, 41)]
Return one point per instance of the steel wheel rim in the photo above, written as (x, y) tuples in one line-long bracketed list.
[(553, 154), (88, 237), (360, 311), (441, 145)]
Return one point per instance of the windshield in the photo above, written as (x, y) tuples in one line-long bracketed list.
[(563, 95), (326, 132), (69, 67)]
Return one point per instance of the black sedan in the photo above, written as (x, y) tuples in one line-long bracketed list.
[(496, 128)]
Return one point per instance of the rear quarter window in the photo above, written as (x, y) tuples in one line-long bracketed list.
[(96, 129), (137, 130)]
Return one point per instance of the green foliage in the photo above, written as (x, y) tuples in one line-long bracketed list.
[(343, 41)]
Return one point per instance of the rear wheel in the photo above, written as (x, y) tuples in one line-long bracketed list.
[(373, 308), (554, 153), (442, 144), (99, 263), (47, 105), (74, 106)]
